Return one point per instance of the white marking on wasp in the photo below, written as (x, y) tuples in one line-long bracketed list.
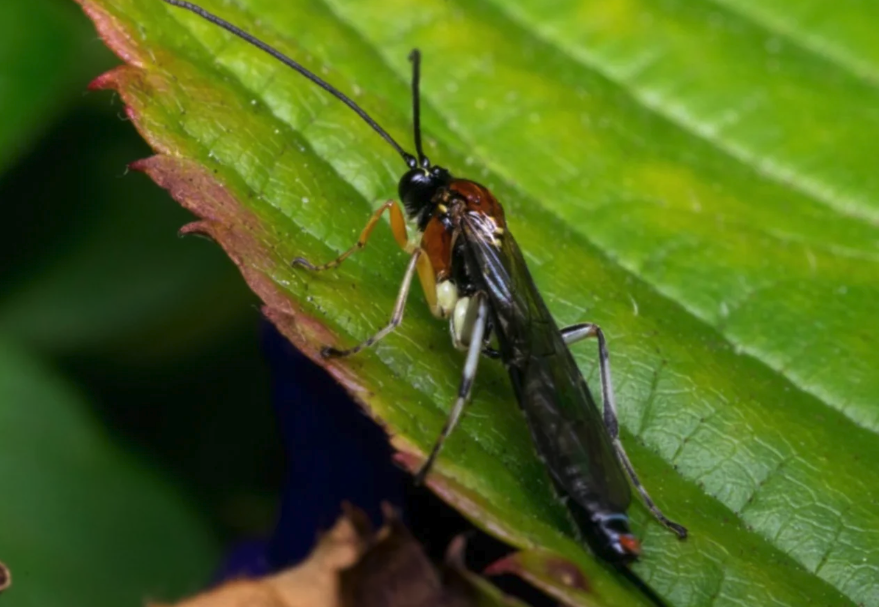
[(446, 297), (458, 325)]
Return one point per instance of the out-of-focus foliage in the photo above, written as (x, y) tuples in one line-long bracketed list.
[(80, 522), (696, 177), (124, 350), (39, 60)]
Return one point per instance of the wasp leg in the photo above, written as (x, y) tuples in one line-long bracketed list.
[(575, 333), (479, 309), (398, 227), (578, 332), (490, 352), (488, 344), (396, 317), (461, 335)]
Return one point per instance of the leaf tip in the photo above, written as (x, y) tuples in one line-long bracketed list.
[(200, 228), (141, 166), (111, 32), (558, 570), (407, 460), (506, 565), (5, 577), (130, 113), (456, 552), (106, 81)]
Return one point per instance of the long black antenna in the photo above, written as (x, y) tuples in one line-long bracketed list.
[(407, 157), (415, 58)]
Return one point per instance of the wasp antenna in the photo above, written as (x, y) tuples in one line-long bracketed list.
[(194, 8), (415, 58)]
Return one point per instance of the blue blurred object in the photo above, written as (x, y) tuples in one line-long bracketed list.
[(245, 560), (335, 453)]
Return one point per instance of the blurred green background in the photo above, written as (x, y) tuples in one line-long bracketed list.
[(129, 357)]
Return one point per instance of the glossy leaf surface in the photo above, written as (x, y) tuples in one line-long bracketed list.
[(696, 177)]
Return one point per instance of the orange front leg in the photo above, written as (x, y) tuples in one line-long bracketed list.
[(424, 267), (398, 227), (427, 278)]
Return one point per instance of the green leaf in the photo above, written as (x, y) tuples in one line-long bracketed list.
[(696, 177), (42, 52), (80, 522)]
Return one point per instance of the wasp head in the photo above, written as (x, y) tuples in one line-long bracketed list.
[(418, 187)]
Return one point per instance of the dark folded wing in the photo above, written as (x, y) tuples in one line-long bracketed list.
[(565, 422)]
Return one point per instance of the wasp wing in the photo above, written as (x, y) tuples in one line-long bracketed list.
[(565, 422)]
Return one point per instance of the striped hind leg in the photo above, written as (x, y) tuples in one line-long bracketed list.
[(477, 318), (575, 333)]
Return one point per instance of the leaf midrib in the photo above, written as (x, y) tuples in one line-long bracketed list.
[(863, 72), (785, 176)]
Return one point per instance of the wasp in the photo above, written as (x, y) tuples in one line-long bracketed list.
[(474, 276)]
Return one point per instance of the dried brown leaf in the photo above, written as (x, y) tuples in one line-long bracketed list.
[(354, 566), (314, 583), (395, 572)]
